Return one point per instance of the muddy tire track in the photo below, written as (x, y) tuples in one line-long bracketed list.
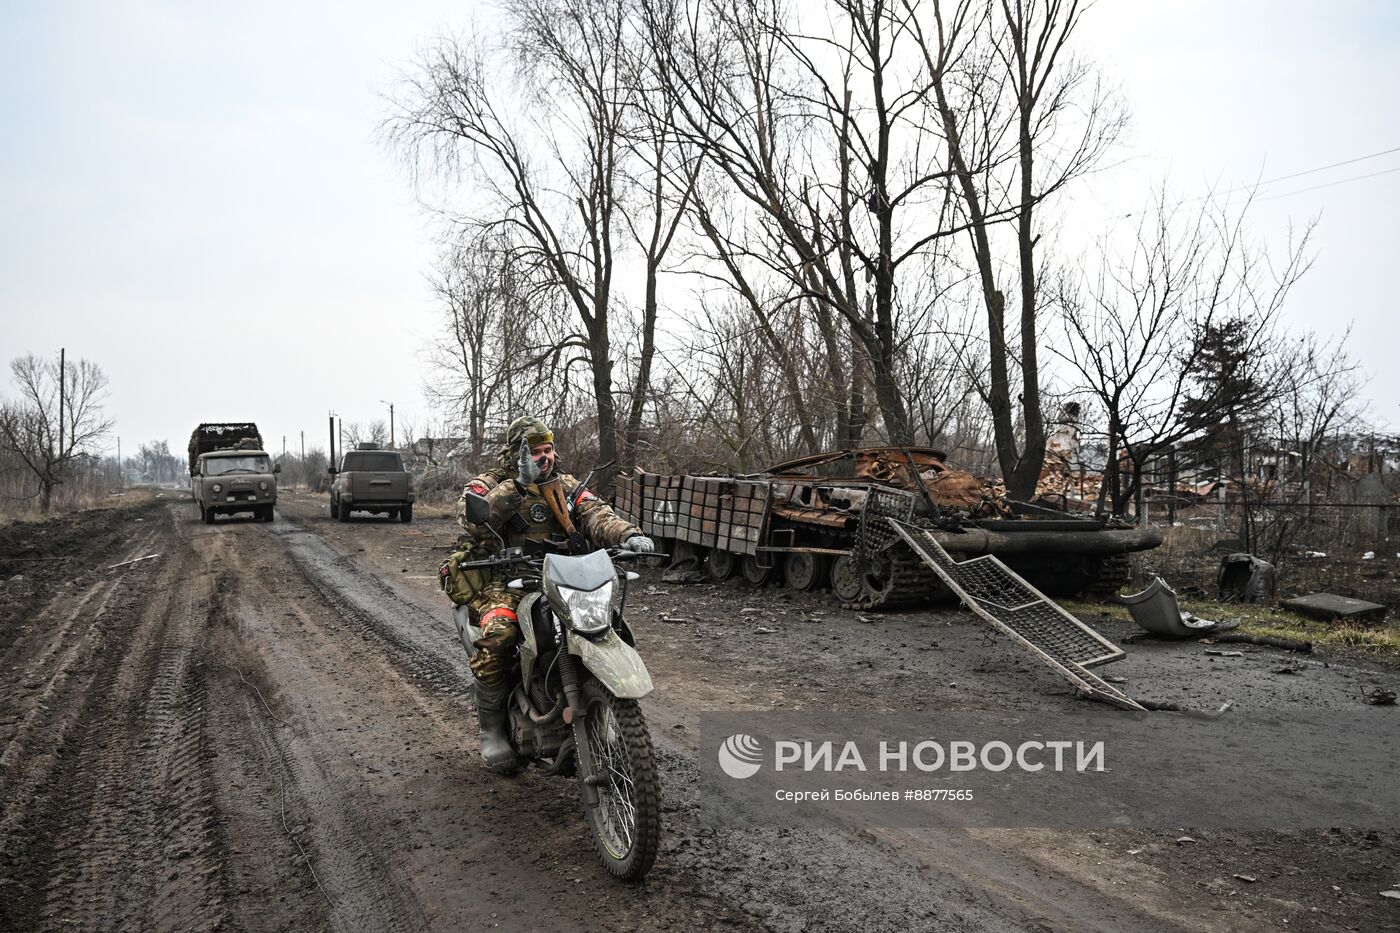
[(123, 804)]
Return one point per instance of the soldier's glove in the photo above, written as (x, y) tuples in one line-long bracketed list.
[(529, 470), (639, 544)]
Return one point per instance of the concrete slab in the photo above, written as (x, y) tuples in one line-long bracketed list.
[(1332, 608)]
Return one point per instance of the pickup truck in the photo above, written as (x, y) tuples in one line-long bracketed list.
[(372, 480)]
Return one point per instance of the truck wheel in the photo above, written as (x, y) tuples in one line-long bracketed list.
[(344, 512), (268, 515), (335, 509), (207, 515), (406, 514)]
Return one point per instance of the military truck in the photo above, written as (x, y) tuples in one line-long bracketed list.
[(821, 521), (230, 472), (371, 479)]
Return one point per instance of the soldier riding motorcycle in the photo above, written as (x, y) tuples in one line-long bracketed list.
[(557, 675)]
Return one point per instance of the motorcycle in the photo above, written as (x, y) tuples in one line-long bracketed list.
[(573, 710)]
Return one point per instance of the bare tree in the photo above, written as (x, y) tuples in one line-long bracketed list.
[(816, 126), (561, 211), (158, 463), (1138, 330), (1021, 119), (1318, 398), (496, 351), (56, 420), (358, 432)]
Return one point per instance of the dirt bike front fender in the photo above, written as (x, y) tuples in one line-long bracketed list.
[(615, 664)]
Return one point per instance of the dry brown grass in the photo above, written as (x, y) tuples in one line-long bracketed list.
[(1257, 619), (67, 505)]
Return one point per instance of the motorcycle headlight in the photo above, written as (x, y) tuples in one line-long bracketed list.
[(587, 612), (217, 487)]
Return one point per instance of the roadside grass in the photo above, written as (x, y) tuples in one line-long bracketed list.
[(82, 502), (1381, 640), (435, 509)]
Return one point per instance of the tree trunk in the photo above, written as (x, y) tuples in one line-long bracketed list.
[(599, 346), (643, 386)]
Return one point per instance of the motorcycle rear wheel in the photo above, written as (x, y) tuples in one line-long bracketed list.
[(626, 824)]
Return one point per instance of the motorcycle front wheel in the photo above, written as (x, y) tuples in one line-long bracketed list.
[(626, 823)]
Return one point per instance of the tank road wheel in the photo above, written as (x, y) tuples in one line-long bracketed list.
[(846, 580), (721, 565), (406, 514), (755, 573), (805, 571)]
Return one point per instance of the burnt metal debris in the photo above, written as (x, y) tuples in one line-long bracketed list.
[(1245, 578), (822, 521), (1156, 610)]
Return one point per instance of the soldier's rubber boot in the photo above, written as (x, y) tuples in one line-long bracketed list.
[(496, 750)]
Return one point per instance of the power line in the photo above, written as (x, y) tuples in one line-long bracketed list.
[(1269, 181), (1313, 171), (1340, 181)]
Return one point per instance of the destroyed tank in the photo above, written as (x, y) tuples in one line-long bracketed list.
[(823, 521)]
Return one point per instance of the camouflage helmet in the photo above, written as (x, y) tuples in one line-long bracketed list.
[(526, 427)]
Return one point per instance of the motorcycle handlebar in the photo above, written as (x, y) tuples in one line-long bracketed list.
[(616, 553)]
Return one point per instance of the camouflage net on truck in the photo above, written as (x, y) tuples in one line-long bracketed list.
[(226, 435)]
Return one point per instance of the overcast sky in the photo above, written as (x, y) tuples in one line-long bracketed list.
[(192, 194)]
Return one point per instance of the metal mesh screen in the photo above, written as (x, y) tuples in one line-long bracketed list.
[(999, 596)]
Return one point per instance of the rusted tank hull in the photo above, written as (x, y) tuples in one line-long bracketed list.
[(829, 526)]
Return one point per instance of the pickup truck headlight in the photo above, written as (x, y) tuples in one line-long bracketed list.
[(217, 487), (262, 484)]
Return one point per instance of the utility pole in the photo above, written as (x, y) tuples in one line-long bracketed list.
[(303, 447), (63, 397), (392, 442), (1171, 486), (121, 474)]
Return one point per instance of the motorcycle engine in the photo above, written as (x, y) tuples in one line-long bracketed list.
[(538, 741)]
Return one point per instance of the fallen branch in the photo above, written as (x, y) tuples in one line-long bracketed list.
[(1271, 641), (134, 560)]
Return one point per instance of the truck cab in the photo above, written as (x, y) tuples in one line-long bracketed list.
[(240, 479), (371, 479)]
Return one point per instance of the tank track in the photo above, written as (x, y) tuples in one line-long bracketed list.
[(901, 579), (1113, 572)]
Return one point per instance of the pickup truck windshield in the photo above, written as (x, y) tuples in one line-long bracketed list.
[(219, 466), (372, 462)]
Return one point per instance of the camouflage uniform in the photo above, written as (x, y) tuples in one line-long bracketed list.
[(493, 608)]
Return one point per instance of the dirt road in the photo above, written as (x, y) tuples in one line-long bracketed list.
[(267, 727)]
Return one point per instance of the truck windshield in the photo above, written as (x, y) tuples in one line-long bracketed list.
[(219, 466), (377, 462)]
